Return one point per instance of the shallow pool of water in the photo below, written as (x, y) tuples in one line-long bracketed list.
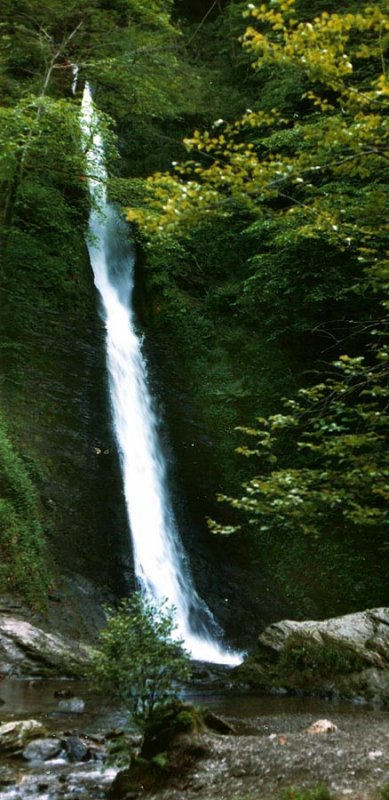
[(39, 699), (59, 780)]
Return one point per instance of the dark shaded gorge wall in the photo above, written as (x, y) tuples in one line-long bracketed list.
[(55, 398), (227, 573)]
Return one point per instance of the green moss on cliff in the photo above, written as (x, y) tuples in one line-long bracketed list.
[(23, 563)]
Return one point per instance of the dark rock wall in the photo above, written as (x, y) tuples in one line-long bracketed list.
[(56, 404)]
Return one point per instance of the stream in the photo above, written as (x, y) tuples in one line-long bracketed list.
[(99, 721)]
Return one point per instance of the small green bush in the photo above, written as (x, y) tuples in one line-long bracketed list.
[(383, 792), (139, 662)]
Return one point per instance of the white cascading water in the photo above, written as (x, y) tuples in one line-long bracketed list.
[(160, 562)]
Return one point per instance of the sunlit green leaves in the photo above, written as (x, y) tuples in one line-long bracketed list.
[(264, 157)]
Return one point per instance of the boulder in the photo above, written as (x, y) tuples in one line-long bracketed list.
[(214, 722), (42, 749), (322, 726), (29, 651), (76, 749), (345, 656), (14, 736), (72, 705)]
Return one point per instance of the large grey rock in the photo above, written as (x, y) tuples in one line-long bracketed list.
[(26, 650), (42, 749), (346, 656), (14, 736), (365, 632)]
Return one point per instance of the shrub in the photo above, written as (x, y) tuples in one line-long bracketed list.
[(139, 662)]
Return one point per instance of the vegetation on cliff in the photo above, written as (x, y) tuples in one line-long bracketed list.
[(309, 183), (23, 566), (123, 48), (263, 251)]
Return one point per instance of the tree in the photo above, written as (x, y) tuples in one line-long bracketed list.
[(334, 471), (319, 494), (264, 156), (316, 174), (139, 661), (125, 44), (42, 46), (311, 181)]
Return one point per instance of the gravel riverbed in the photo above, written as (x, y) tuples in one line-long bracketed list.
[(271, 749)]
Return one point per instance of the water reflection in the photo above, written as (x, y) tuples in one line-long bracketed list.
[(33, 698)]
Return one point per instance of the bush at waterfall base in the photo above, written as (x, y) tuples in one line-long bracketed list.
[(139, 662)]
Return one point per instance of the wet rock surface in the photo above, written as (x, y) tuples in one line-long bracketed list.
[(42, 749), (26, 649), (73, 705), (85, 782), (15, 735)]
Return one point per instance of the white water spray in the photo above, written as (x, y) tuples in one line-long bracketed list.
[(75, 71), (161, 565)]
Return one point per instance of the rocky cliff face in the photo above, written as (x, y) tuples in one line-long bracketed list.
[(54, 398), (56, 402), (27, 650)]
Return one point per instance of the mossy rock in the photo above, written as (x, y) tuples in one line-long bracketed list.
[(171, 746), (167, 723), (325, 659), (145, 775), (342, 656)]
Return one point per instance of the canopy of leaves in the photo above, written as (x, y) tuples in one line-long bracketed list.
[(337, 472), (321, 173), (310, 179)]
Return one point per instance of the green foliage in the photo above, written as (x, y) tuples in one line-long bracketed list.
[(340, 467), (23, 561), (383, 792), (125, 46), (270, 236), (319, 792), (306, 177), (139, 661), (303, 184), (322, 473)]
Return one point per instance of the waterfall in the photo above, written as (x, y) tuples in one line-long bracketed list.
[(161, 565), (75, 71)]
